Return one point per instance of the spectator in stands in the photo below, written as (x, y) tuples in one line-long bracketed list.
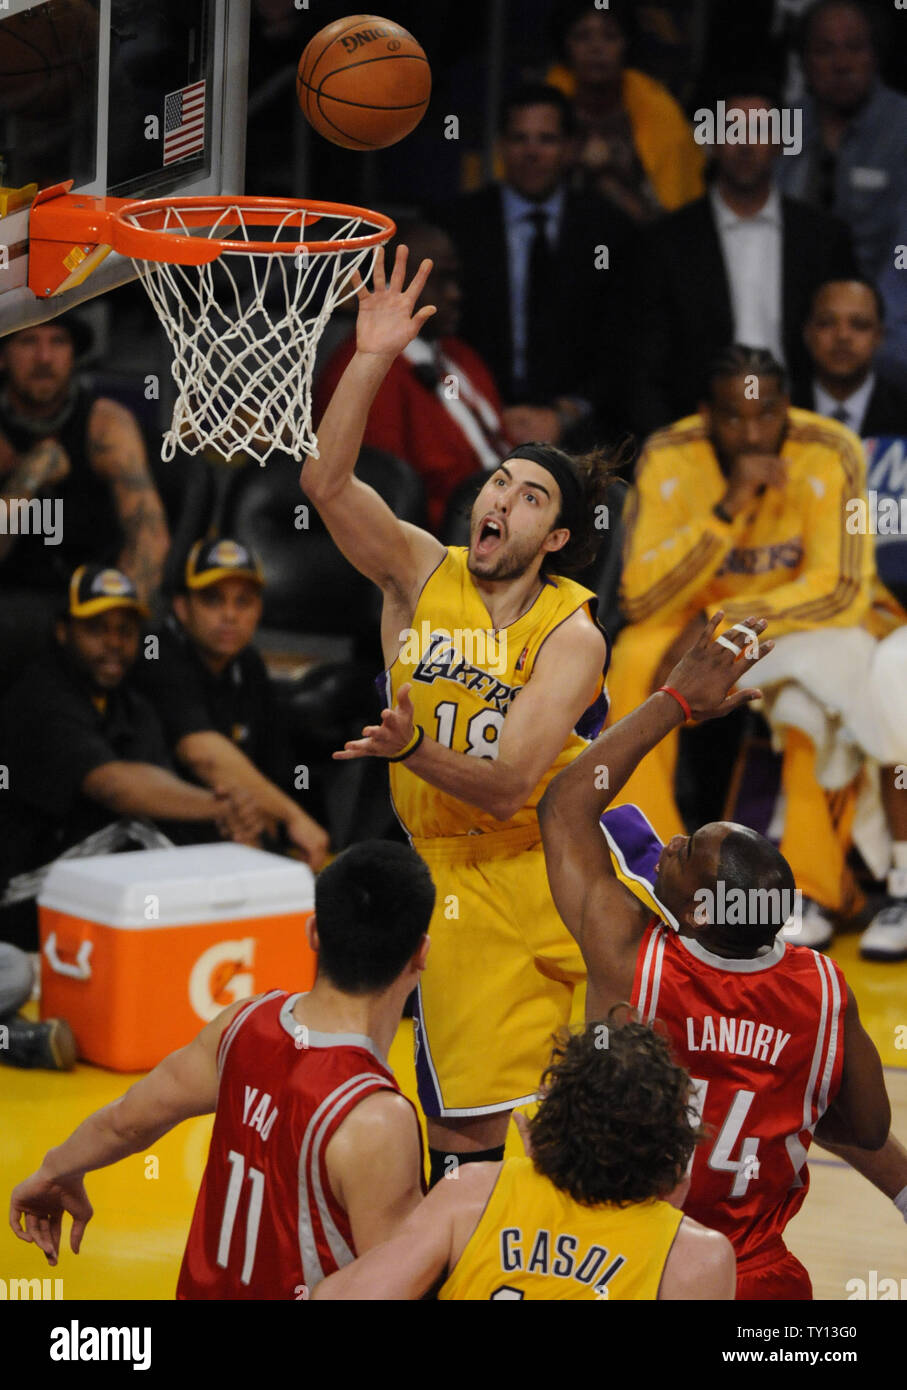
[(738, 265), (854, 156), (24, 1043), (743, 507), (546, 278), (211, 691), (843, 333), (84, 756), (438, 409), (75, 460), (637, 147)]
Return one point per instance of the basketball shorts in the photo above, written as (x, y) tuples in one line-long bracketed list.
[(776, 1276), (500, 978)]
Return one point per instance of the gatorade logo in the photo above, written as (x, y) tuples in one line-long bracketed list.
[(221, 976)]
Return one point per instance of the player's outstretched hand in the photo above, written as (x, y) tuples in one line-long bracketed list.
[(390, 737), (710, 668), (42, 1203), (387, 319)]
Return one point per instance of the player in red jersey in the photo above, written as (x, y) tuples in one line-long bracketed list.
[(307, 1111), (768, 1030)]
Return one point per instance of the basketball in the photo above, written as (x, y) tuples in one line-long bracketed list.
[(363, 82)]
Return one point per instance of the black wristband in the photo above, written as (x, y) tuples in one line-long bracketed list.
[(418, 736), (721, 514)]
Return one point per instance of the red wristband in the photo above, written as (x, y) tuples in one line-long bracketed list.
[(669, 690)]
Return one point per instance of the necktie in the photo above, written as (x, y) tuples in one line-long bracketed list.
[(540, 302), (842, 414)]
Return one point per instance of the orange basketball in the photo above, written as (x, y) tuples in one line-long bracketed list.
[(363, 82)]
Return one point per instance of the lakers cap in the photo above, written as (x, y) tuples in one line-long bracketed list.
[(210, 561), (96, 588)]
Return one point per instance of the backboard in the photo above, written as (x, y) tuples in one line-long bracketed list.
[(133, 98)]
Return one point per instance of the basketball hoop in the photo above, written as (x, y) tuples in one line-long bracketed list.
[(243, 315)]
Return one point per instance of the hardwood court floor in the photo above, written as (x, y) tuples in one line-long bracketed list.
[(133, 1246)]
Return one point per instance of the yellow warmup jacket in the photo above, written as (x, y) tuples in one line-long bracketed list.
[(661, 133), (534, 1241), (791, 558)]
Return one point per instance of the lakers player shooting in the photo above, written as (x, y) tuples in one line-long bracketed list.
[(586, 1215), (472, 742)]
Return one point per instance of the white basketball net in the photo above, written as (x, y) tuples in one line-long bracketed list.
[(244, 335)]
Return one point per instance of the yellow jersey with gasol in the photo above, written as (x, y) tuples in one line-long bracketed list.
[(534, 1241), (464, 676)]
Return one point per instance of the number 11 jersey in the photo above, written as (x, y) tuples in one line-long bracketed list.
[(266, 1223)]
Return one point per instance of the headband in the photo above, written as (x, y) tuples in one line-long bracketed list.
[(562, 470)]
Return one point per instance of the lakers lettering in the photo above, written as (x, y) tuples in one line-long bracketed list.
[(443, 661)]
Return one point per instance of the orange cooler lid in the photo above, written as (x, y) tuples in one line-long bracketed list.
[(187, 884)]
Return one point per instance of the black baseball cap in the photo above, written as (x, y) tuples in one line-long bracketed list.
[(211, 561), (97, 588)]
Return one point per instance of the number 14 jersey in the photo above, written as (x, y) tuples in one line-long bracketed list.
[(266, 1223), (763, 1040)]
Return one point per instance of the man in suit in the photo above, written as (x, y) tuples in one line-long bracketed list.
[(842, 334), (546, 276), (739, 265)]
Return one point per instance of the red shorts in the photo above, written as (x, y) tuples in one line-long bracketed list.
[(773, 1275)]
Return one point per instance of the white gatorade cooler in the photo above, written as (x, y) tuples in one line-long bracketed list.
[(139, 950)]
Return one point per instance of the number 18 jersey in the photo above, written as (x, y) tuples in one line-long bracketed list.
[(763, 1040), (266, 1223)]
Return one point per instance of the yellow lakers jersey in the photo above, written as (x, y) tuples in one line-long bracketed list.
[(464, 677), (534, 1241), (793, 557)]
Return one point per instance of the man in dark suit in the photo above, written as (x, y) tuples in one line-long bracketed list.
[(739, 265), (842, 335), (545, 277)]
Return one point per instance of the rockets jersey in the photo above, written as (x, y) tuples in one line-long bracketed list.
[(266, 1223), (534, 1241), (464, 678), (763, 1040)]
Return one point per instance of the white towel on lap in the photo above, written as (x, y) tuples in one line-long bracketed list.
[(848, 694)]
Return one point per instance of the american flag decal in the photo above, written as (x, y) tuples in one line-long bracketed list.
[(184, 122)]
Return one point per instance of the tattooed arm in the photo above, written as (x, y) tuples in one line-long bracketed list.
[(116, 451), (22, 476)]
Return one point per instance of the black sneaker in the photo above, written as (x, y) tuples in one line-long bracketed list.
[(49, 1044)]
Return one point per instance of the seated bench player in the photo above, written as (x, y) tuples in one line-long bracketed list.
[(82, 750), (315, 1155), (587, 1215), (210, 689)]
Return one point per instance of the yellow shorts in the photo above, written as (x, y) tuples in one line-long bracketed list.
[(500, 978)]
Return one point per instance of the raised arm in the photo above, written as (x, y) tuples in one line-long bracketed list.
[(184, 1084), (392, 553), (600, 912)]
